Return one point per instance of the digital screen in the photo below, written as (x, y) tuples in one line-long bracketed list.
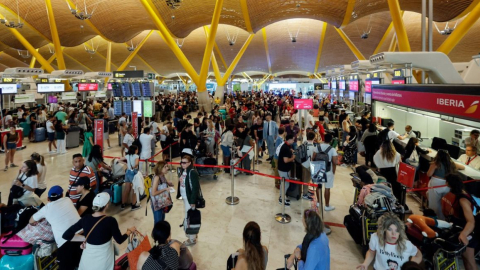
[(109, 86), (398, 81), (136, 90), (280, 86), (146, 89), (398, 73), (137, 107), (334, 85), (126, 89), (354, 85), (368, 98), (351, 95), (84, 87), (127, 107), (342, 85), (368, 85), (147, 108), (50, 87), (9, 88), (117, 91), (303, 104), (117, 107), (52, 99)]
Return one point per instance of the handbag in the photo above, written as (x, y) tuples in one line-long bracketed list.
[(134, 254), (84, 243), (161, 201), (16, 191), (200, 203)]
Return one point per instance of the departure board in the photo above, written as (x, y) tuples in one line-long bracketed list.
[(146, 89), (147, 108), (117, 91), (136, 92), (126, 90), (117, 106), (127, 107), (137, 107)]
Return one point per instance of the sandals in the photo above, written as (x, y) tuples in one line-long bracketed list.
[(189, 243)]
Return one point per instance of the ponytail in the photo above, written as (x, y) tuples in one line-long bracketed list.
[(42, 160), (254, 253), (38, 158)]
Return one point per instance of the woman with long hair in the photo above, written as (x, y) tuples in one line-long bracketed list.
[(160, 185), (227, 144), (99, 230), (253, 256), (441, 166), (27, 180), (389, 246), (42, 171), (10, 145), (61, 137), (189, 190), (413, 152), (350, 150), (132, 160), (314, 252), (387, 160), (346, 124), (95, 161), (210, 137)]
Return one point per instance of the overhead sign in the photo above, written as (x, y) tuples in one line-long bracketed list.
[(128, 74), (50, 87), (25, 98), (318, 86), (9, 88), (87, 87), (342, 85), (101, 94), (369, 83), (464, 103), (303, 104), (151, 76), (69, 95), (147, 92), (406, 174)]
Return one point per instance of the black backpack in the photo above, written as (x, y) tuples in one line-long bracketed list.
[(302, 153)]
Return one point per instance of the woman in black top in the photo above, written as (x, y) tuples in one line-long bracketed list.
[(413, 152), (350, 147), (165, 253), (99, 229), (188, 139), (85, 203)]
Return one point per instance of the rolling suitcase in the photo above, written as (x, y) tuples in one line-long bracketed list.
[(14, 246), (73, 137), (117, 193), (24, 262), (295, 190), (175, 150), (40, 134)]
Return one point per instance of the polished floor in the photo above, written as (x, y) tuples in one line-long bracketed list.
[(222, 224)]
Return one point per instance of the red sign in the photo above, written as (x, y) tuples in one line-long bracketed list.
[(463, 106), (98, 125), (87, 86), (406, 174), (368, 86), (135, 124), (303, 104), (354, 85), (398, 81)]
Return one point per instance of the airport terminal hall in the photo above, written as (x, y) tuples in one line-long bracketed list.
[(239, 134)]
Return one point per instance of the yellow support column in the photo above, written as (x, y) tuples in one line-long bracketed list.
[(462, 29), (237, 59), (320, 46), (132, 55), (55, 38), (397, 19), (348, 12), (33, 61), (393, 44), (246, 16), (108, 65), (350, 44), (380, 44)]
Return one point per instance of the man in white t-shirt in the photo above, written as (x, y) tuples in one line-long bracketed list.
[(309, 120), (51, 134), (154, 130), (332, 154), (61, 214), (312, 148), (146, 142), (128, 139)]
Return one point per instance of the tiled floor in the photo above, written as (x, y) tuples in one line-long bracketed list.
[(221, 232)]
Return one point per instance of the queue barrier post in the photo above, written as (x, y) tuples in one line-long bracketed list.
[(282, 217), (232, 200), (172, 169)]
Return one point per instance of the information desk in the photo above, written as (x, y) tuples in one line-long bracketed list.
[(19, 133)]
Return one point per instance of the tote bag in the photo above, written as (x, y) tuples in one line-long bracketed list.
[(162, 200)]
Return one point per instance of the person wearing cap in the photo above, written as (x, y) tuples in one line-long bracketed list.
[(61, 214), (61, 115), (98, 229), (85, 202)]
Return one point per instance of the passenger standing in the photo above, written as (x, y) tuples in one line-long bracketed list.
[(270, 133), (128, 139), (227, 145), (132, 169), (51, 133), (160, 185), (413, 152), (10, 141), (60, 135), (332, 156), (346, 124), (312, 148), (350, 150), (145, 154), (99, 230), (189, 189), (61, 214), (210, 137), (257, 133), (370, 141), (95, 161), (280, 139), (286, 161), (42, 172), (386, 159)]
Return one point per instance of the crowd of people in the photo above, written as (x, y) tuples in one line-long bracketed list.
[(280, 133)]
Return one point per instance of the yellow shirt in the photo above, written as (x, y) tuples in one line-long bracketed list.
[(217, 101)]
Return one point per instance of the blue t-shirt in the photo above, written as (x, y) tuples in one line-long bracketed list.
[(318, 255)]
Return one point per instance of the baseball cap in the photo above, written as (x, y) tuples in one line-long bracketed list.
[(101, 199), (82, 181), (55, 192)]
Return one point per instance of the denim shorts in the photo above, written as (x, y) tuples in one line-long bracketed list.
[(129, 175), (260, 143), (226, 151), (11, 145), (51, 136)]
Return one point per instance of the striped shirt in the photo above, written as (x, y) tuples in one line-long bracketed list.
[(88, 172)]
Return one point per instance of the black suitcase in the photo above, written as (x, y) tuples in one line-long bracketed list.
[(175, 150), (353, 223), (295, 190)]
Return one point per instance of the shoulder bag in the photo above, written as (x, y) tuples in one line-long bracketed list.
[(200, 203), (16, 191), (84, 244)]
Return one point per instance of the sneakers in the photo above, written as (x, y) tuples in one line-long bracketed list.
[(53, 152), (344, 165), (307, 197), (6, 168), (189, 243), (122, 206), (180, 198), (287, 202), (13, 165), (329, 208), (135, 207)]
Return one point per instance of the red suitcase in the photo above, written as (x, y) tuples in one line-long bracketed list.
[(14, 246)]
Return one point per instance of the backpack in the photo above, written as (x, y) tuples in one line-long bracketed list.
[(138, 144), (193, 222), (302, 153), (321, 165)]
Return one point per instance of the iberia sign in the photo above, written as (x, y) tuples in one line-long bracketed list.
[(458, 105)]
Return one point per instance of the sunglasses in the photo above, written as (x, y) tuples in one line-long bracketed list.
[(184, 162)]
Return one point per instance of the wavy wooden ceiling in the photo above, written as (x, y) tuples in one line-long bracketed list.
[(123, 21)]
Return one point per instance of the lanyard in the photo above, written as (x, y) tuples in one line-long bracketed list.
[(470, 160)]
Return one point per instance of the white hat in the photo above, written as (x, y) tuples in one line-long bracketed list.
[(187, 151), (101, 199), (61, 109)]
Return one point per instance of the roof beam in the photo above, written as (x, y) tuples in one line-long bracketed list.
[(393, 43), (350, 44), (33, 61), (147, 64), (221, 56), (55, 38), (401, 32), (50, 60), (164, 33), (132, 54), (207, 55), (25, 22), (348, 13), (462, 29), (264, 33), (382, 41), (246, 16), (320, 46)]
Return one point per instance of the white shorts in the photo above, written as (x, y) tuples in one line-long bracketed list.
[(330, 178), (105, 135)]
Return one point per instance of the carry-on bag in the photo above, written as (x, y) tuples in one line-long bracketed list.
[(24, 262), (40, 134), (14, 246), (117, 192), (193, 222)]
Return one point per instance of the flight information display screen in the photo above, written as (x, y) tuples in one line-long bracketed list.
[(50, 87), (117, 91), (87, 87), (126, 90), (117, 107), (127, 107), (146, 89), (9, 88), (137, 107), (136, 90)]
